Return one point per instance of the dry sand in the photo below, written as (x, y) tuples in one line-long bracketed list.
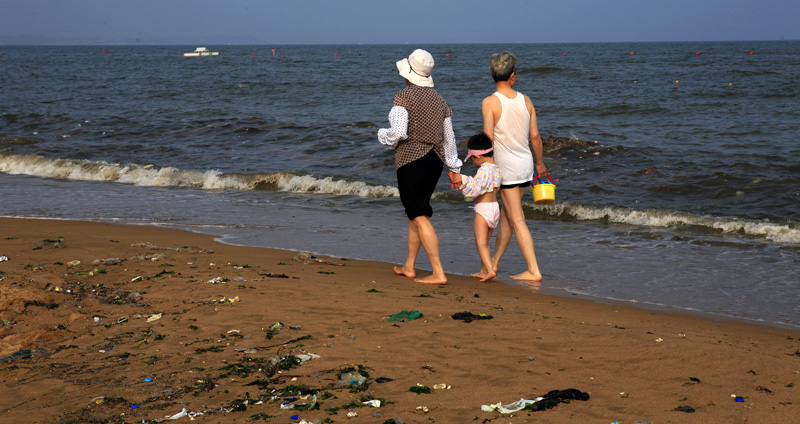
[(154, 321)]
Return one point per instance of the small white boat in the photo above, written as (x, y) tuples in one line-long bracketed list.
[(201, 51)]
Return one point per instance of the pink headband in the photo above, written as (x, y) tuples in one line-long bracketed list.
[(472, 152)]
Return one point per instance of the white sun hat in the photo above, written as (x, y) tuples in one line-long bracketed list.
[(417, 68)]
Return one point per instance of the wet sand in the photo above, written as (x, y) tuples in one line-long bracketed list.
[(152, 322)]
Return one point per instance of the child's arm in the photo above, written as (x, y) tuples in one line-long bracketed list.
[(473, 187)]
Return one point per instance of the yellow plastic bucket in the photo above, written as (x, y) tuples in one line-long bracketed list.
[(544, 191)]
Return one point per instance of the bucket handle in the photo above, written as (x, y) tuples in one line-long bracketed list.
[(541, 180)]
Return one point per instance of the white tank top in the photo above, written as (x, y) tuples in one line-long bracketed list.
[(512, 151)]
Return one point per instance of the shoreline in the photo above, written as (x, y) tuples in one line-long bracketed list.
[(560, 292), (218, 305)]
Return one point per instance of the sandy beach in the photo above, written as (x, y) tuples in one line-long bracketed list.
[(110, 324)]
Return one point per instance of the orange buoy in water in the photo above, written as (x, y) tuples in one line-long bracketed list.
[(632, 53), (697, 53)]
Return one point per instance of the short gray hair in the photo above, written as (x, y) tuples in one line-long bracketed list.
[(502, 65)]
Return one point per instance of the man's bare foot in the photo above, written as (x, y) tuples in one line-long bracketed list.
[(528, 276), (400, 270), (432, 279)]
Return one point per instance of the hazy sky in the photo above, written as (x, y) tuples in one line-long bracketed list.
[(395, 21)]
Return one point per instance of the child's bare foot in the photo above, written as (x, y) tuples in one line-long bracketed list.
[(401, 270), (484, 275), (432, 279), (528, 276)]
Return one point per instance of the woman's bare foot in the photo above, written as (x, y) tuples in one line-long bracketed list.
[(528, 276), (401, 270), (432, 279)]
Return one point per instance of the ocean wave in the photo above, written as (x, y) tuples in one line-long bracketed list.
[(290, 182), (154, 176), (777, 233)]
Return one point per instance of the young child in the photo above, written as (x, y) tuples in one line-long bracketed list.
[(483, 189)]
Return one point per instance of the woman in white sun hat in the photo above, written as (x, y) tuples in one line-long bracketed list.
[(422, 134)]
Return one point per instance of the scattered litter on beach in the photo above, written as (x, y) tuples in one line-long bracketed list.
[(4, 258), (352, 378), (217, 280), (188, 249), (271, 275), (469, 316), (308, 258), (420, 389), (181, 414), (303, 357), (184, 413), (107, 261), (405, 315), (229, 300), (306, 402), (154, 317), (97, 400), (153, 257), (24, 354), (540, 403), (50, 244)]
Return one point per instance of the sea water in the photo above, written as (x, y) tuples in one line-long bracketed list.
[(677, 175)]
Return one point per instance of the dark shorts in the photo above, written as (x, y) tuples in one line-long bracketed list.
[(416, 182), (525, 184)]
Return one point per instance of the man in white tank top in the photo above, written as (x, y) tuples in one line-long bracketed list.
[(509, 119)]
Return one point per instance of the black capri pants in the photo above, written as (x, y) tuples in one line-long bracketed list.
[(416, 182)]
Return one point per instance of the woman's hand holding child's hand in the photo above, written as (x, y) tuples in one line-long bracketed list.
[(455, 180)]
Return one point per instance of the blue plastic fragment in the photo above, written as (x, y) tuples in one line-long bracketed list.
[(739, 399), (134, 406), (148, 379)]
